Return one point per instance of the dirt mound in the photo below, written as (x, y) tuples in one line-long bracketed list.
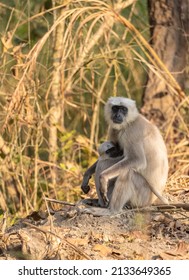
[(150, 233)]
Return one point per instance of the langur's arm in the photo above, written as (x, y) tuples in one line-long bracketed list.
[(135, 160), (87, 175)]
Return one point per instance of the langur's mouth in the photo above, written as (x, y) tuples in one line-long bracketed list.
[(118, 121)]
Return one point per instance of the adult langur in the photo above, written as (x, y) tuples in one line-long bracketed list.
[(141, 173)]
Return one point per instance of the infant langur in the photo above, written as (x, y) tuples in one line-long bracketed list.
[(109, 154), (142, 172)]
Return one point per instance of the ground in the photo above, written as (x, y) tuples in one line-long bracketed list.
[(66, 233)]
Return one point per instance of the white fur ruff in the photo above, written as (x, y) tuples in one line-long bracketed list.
[(121, 101)]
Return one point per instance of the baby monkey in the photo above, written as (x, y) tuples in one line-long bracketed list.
[(109, 154)]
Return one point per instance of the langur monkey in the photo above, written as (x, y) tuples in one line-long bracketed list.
[(142, 173), (106, 151), (109, 154)]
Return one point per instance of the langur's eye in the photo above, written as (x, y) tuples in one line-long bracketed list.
[(110, 150), (124, 109), (115, 109)]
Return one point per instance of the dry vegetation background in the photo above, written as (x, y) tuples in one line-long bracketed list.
[(60, 61), (59, 64)]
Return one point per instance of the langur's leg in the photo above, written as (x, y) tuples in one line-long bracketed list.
[(145, 194), (104, 179), (101, 167), (142, 195), (122, 193)]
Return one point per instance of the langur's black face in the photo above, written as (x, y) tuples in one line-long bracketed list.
[(118, 113)]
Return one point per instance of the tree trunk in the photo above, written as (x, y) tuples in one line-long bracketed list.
[(169, 23)]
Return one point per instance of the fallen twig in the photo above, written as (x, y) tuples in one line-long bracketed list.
[(184, 206), (59, 201)]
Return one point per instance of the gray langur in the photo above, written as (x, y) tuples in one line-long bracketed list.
[(109, 154), (142, 173), (106, 150)]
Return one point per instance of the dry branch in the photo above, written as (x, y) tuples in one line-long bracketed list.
[(59, 201), (172, 206)]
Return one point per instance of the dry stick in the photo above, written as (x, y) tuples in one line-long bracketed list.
[(3, 147), (160, 208), (184, 206), (36, 151), (62, 239), (156, 208), (59, 201), (50, 217), (4, 223), (13, 10)]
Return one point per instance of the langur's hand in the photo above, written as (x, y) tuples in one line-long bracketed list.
[(85, 188)]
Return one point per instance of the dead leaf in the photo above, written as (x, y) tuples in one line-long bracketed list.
[(167, 256), (181, 251), (182, 248), (78, 241), (159, 217), (119, 239), (137, 235), (96, 235), (104, 250), (116, 252)]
